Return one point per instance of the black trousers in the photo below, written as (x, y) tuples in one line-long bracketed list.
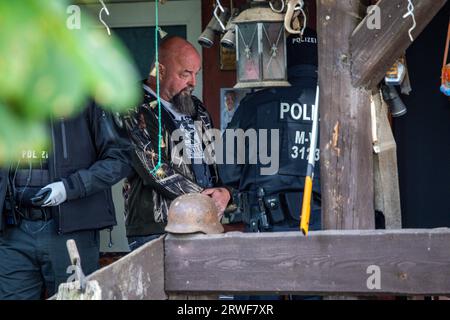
[(34, 259)]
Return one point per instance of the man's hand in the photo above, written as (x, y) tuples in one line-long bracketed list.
[(57, 196), (221, 197)]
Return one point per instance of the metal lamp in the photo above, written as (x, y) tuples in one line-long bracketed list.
[(260, 48), (228, 40), (206, 39)]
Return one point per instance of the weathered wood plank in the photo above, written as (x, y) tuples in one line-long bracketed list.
[(411, 262), (375, 51), (137, 276), (345, 130), (387, 190)]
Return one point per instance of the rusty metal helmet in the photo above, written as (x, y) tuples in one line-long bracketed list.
[(192, 213)]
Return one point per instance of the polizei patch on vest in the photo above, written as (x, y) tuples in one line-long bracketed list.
[(304, 40), (297, 112)]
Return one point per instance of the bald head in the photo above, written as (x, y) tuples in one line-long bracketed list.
[(176, 47), (179, 64)]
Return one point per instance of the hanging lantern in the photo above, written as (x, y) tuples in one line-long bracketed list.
[(260, 48)]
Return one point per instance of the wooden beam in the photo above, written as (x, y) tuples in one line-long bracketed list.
[(375, 51), (387, 190), (345, 130), (411, 262), (137, 276)]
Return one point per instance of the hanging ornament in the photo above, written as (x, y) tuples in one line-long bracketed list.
[(294, 7), (445, 87), (162, 33)]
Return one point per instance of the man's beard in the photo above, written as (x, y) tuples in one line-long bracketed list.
[(183, 103)]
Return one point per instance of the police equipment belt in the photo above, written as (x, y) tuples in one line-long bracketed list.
[(26, 183), (259, 210), (35, 214)]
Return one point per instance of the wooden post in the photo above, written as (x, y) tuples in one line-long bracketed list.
[(387, 190), (346, 146)]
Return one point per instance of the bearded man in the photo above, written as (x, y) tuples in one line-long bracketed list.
[(162, 172)]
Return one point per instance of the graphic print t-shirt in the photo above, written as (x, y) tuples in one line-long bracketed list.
[(193, 144)]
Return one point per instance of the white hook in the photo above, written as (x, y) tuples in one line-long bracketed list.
[(294, 5), (216, 15), (279, 10), (104, 8), (218, 4), (301, 7), (411, 13)]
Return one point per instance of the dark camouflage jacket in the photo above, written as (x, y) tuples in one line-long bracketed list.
[(149, 191)]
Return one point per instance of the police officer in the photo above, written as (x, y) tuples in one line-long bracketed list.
[(273, 202), (50, 196)]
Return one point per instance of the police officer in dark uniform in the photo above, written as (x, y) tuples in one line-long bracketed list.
[(273, 202), (51, 196)]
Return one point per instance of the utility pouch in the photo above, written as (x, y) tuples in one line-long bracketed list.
[(234, 212), (293, 202), (23, 196), (274, 208), (245, 207)]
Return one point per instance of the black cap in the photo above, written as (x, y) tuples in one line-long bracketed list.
[(302, 50)]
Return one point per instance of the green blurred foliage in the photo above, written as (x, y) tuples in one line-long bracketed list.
[(48, 71)]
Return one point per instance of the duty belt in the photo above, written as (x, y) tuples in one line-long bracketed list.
[(260, 211), (35, 214), (26, 183), (255, 216)]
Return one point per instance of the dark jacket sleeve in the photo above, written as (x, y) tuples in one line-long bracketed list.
[(149, 180), (113, 161)]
